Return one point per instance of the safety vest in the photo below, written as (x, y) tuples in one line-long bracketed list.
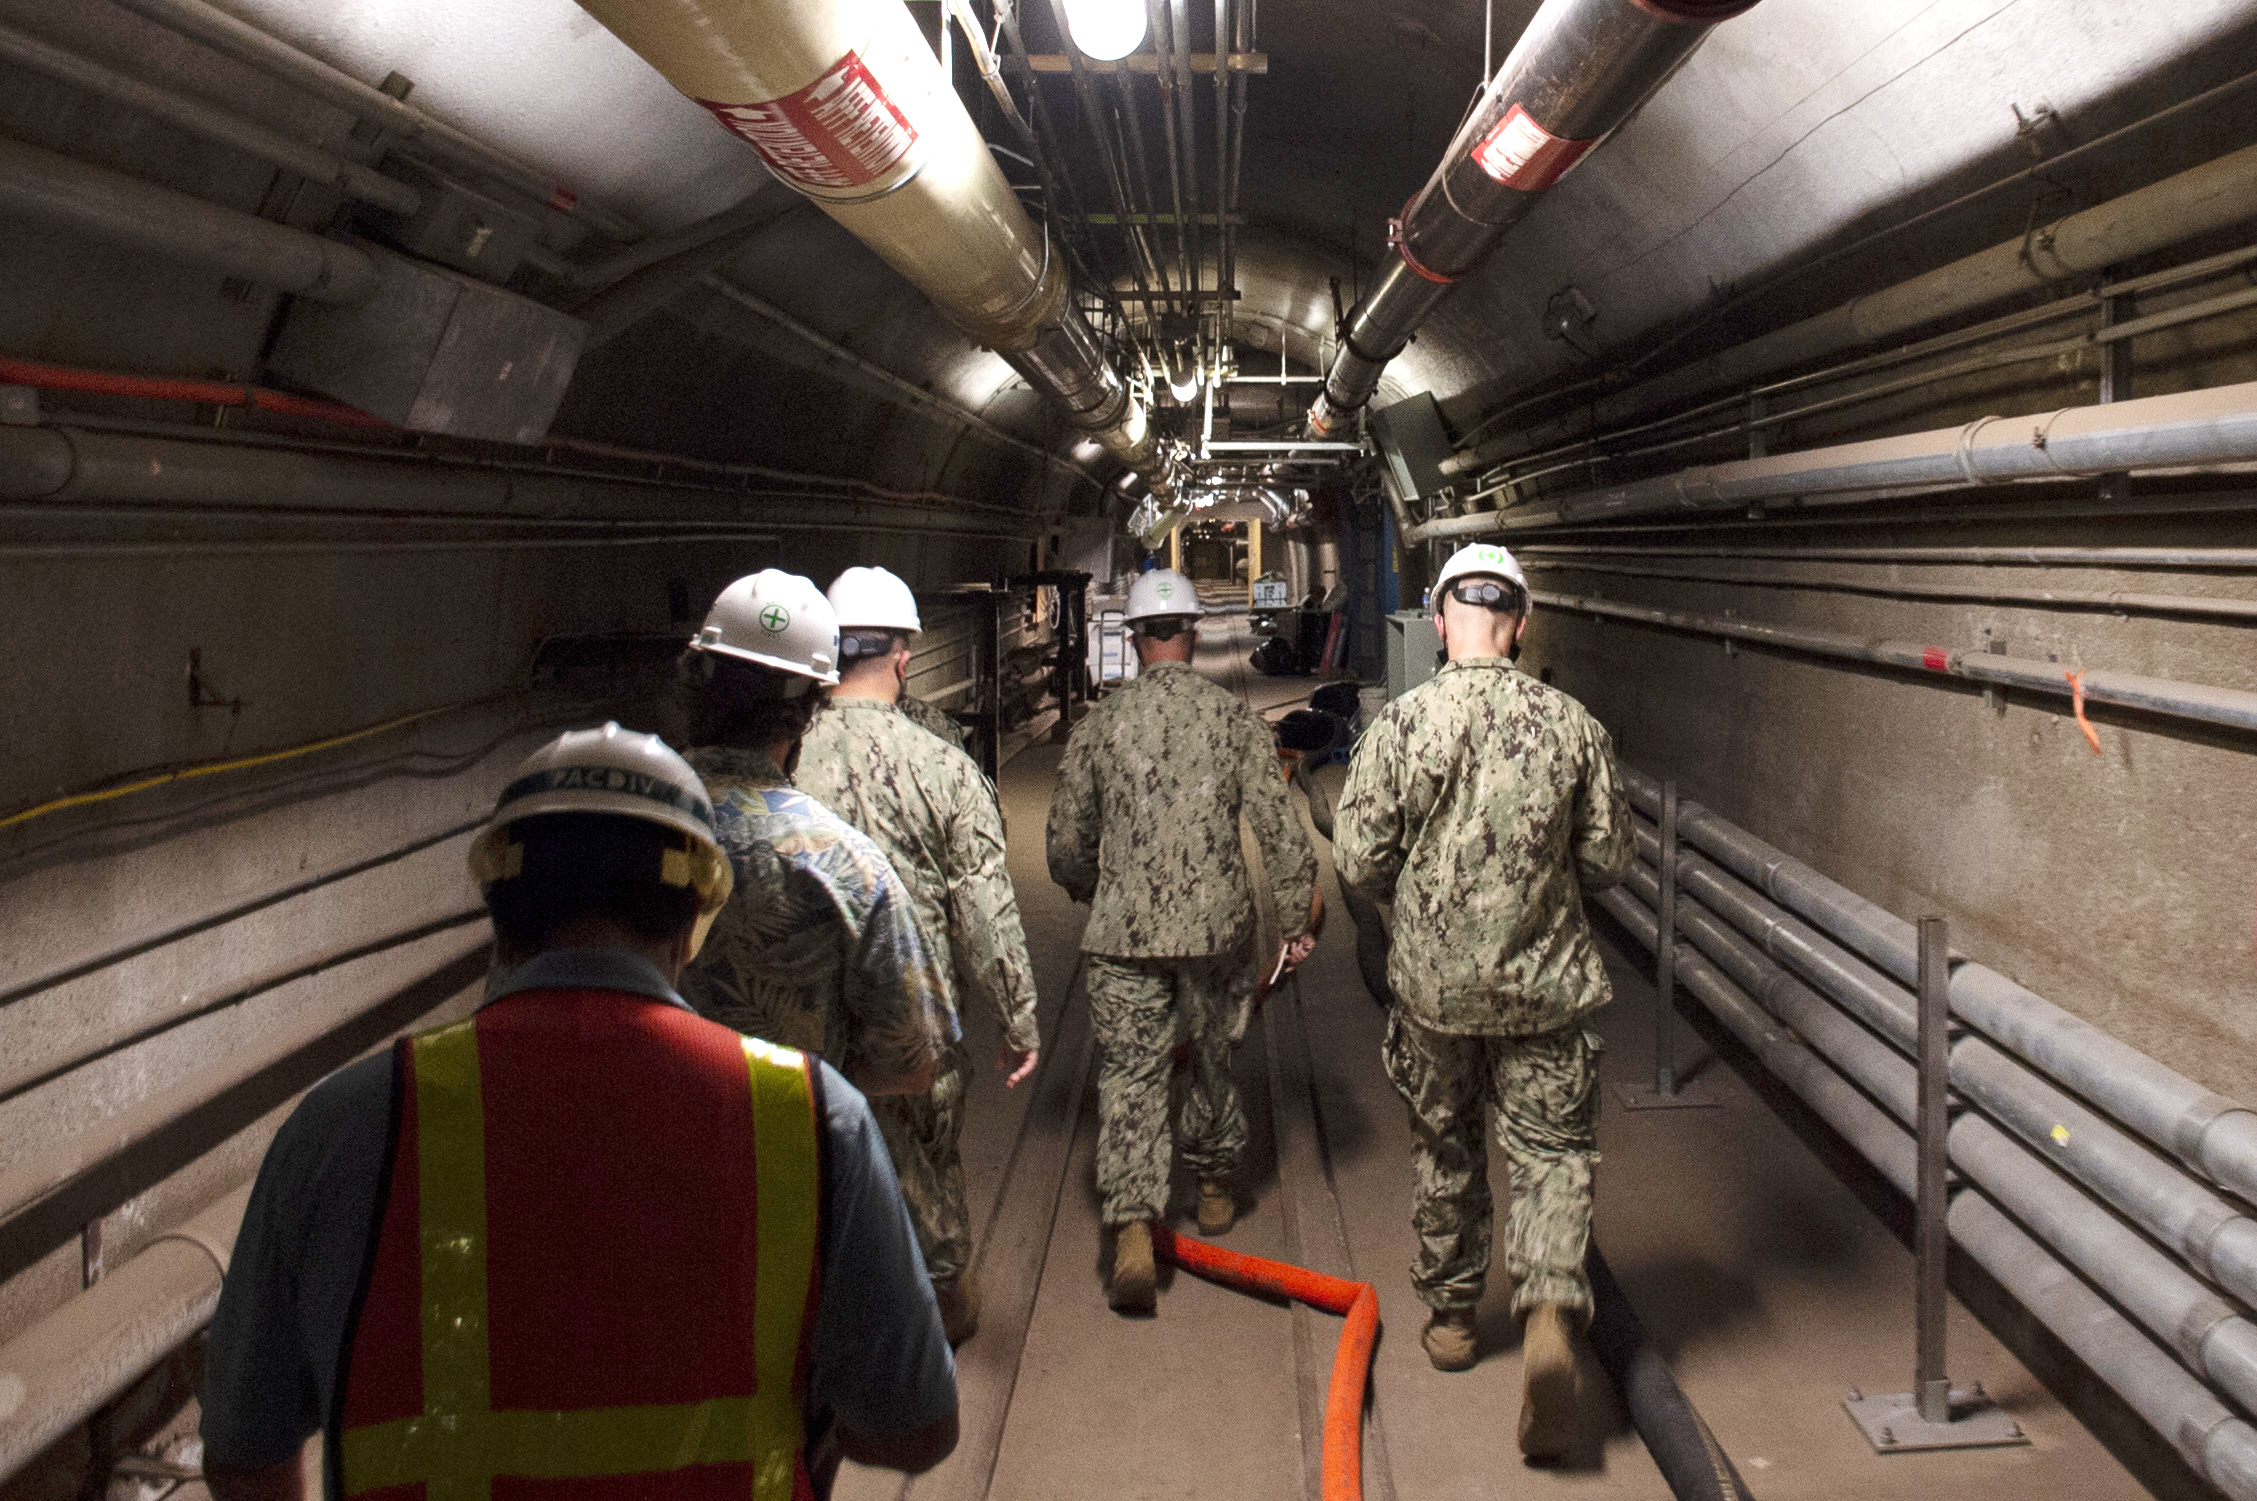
[(596, 1266)]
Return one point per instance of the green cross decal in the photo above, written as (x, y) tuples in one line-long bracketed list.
[(775, 617)]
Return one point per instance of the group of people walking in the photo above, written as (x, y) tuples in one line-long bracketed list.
[(684, 1198)]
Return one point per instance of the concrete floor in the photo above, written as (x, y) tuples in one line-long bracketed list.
[(1760, 1275)]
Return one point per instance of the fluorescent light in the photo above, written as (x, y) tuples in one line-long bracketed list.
[(1106, 29)]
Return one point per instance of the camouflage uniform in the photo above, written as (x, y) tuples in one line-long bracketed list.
[(934, 721), (927, 807), (1482, 803), (818, 948), (1144, 827)]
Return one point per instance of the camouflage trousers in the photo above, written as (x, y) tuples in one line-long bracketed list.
[(1544, 1090), (921, 1133), (1140, 1009)]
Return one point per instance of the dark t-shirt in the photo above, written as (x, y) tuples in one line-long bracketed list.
[(879, 1364)]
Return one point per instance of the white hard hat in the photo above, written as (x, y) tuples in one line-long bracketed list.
[(873, 599), (1479, 557), (625, 774), (778, 620), (1163, 591)]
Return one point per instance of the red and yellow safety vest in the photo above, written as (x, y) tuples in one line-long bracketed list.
[(596, 1267)]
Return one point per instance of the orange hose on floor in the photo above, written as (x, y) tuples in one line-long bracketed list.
[(1351, 1360)]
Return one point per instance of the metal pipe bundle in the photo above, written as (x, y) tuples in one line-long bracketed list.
[(1838, 1030)]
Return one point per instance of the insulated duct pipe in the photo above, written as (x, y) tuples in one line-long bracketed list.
[(57, 1373), (419, 133), (210, 122), (847, 105), (1580, 69), (121, 210), (2187, 429)]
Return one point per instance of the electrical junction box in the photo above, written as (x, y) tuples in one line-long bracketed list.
[(435, 351), (1112, 659), (457, 225), (1414, 443), (1412, 646)]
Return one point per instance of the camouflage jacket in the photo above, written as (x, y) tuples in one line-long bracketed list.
[(819, 947), (1480, 803), (934, 721), (927, 806), (1144, 823)]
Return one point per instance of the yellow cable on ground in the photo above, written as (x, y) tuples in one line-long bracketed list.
[(240, 763)]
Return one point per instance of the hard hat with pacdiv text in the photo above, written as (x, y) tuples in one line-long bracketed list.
[(873, 599), (1479, 558), (1163, 591), (778, 620), (625, 774)]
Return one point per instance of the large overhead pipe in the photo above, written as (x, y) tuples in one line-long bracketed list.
[(1580, 69), (846, 104)]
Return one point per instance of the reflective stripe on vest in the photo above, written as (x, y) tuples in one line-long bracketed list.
[(461, 1442)]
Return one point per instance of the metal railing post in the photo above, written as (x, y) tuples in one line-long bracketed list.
[(1932, 1415), (1931, 1385), (1667, 1093)]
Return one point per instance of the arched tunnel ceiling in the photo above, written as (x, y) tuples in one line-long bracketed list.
[(1799, 124)]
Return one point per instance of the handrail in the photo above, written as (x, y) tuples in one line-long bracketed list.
[(1758, 924)]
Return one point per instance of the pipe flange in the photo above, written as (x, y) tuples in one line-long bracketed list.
[(1695, 12), (1018, 329), (1402, 247), (2195, 1122)]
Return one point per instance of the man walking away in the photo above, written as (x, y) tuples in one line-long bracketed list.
[(1144, 826), (924, 803), (820, 950), (1483, 803), (583, 1243)]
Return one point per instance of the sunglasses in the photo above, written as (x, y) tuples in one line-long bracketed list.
[(1487, 593)]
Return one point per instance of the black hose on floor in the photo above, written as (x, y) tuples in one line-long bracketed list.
[(1686, 1453)]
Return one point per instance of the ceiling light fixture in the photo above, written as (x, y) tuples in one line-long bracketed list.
[(1106, 29)]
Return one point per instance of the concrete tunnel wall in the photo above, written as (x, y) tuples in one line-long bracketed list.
[(96, 653)]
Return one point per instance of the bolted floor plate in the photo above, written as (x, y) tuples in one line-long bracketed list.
[(1643, 1096), (1893, 1425)]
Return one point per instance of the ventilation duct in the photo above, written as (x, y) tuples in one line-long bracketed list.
[(847, 105), (1580, 69)]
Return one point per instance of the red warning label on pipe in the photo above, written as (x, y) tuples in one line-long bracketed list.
[(1522, 154), (1935, 659), (841, 131)]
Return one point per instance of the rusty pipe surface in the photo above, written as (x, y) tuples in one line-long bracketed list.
[(55, 1374), (1580, 69), (848, 106)]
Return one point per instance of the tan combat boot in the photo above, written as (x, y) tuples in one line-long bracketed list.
[(1217, 1210), (1547, 1404), (959, 1299), (1134, 1287), (1449, 1339)]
